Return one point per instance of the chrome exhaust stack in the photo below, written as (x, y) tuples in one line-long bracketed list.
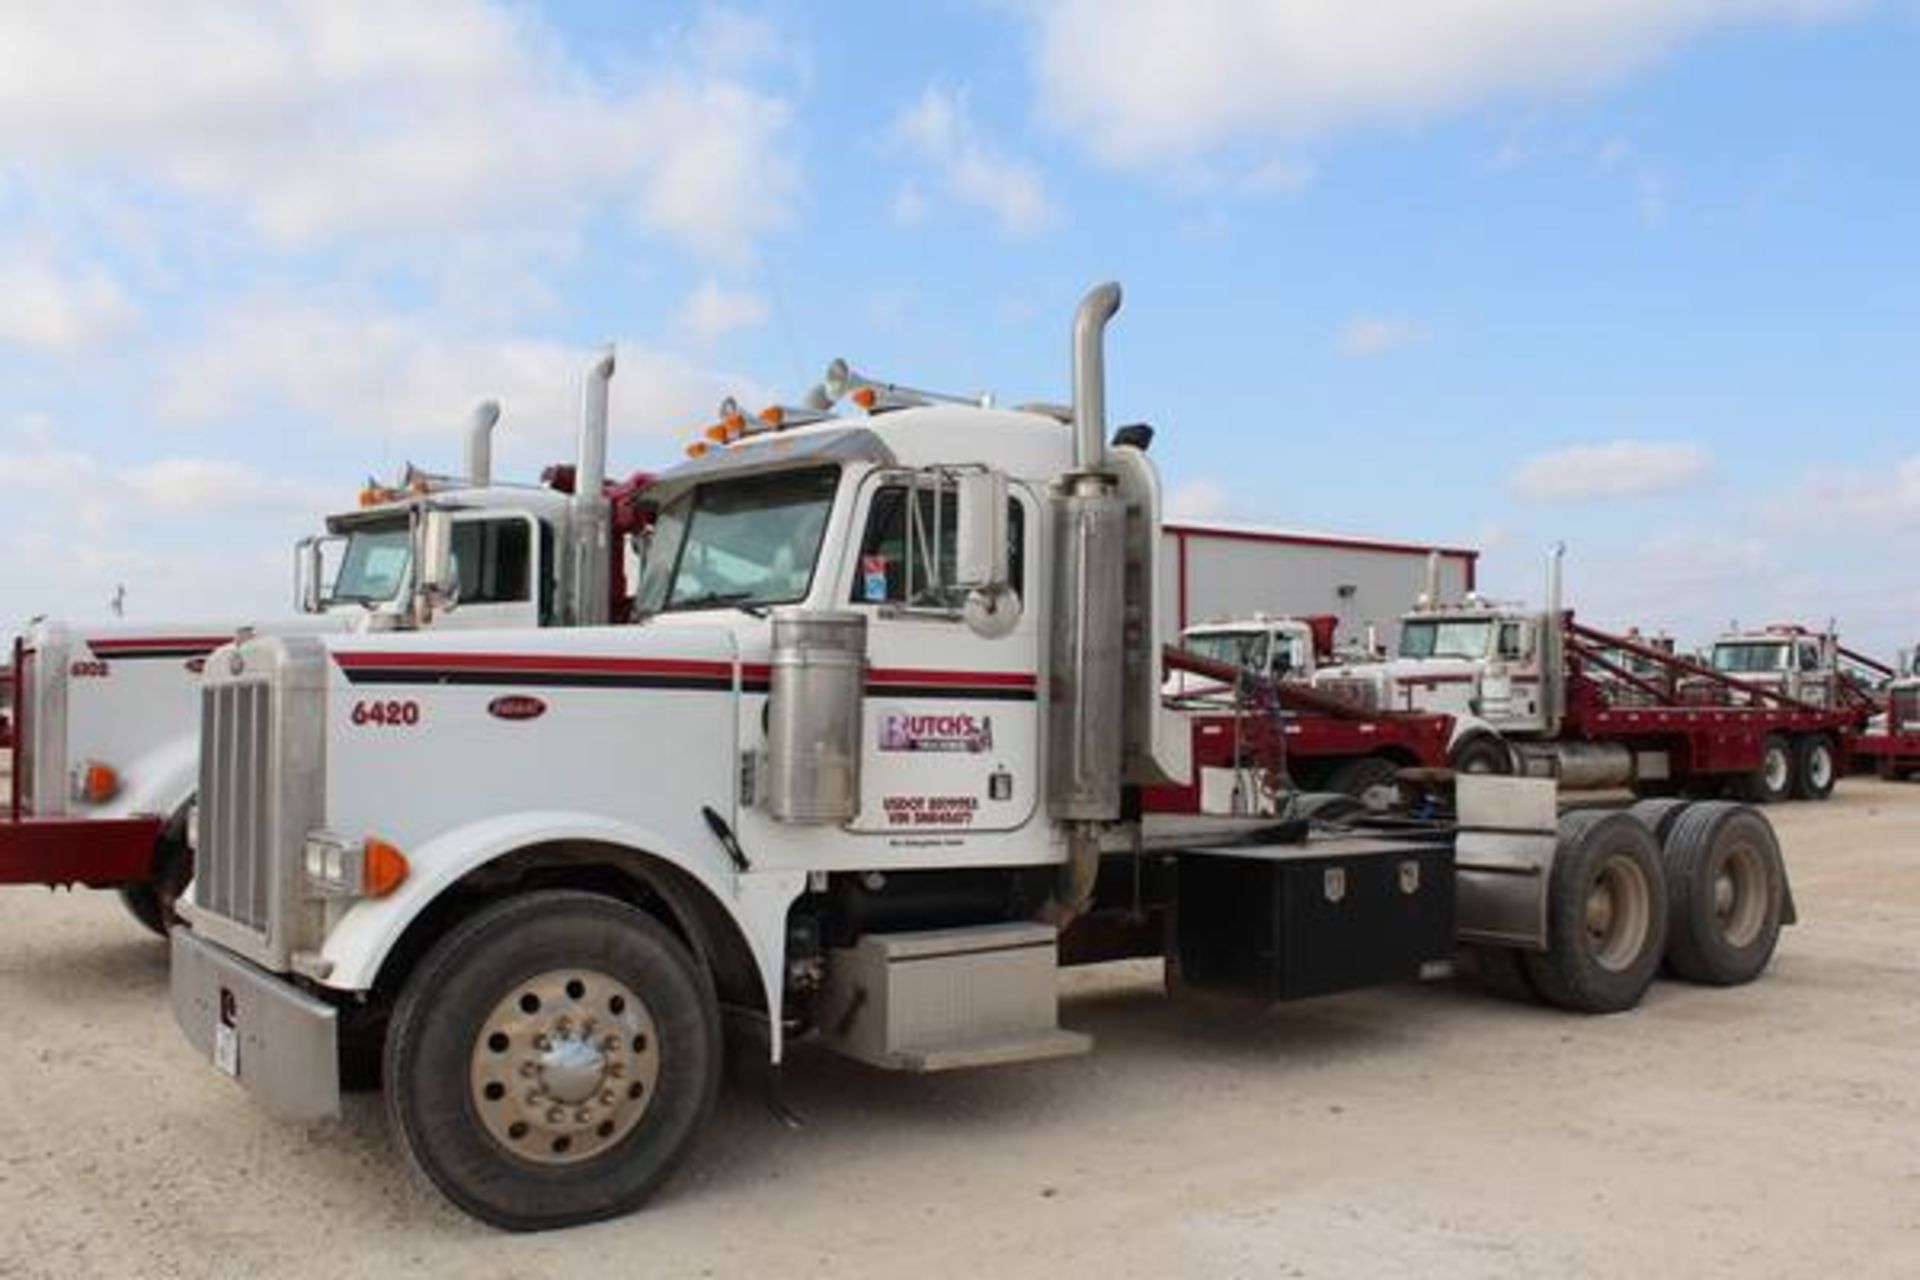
[(1553, 658), (479, 462), (1086, 738), (590, 514)]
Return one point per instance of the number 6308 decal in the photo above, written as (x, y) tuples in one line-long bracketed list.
[(391, 713)]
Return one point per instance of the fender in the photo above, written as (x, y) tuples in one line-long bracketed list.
[(160, 782), (1467, 726), (756, 902)]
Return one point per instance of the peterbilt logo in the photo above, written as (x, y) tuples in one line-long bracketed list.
[(516, 706), (236, 663)]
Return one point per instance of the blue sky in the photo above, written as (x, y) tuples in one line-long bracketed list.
[(1638, 274)]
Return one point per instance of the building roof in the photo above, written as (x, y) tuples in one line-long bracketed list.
[(1308, 538)]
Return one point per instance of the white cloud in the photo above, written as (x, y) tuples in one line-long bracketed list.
[(1372, 335), (1202, 498), (94, 496), (1141, 82), (1855, 497), (50, 310), (712, 310), (939, 130), (381, 372), (314, 123), (1613, 469)]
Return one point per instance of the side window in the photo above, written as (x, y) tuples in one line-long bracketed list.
[(1809, 658), (881, 576), (1513, 640), (492, 560)]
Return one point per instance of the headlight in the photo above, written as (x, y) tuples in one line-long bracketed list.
[(332, 866)]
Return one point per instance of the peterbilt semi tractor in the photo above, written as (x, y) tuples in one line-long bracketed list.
[(1538, 693), (863, 775), (1891, 744), (106, 761)]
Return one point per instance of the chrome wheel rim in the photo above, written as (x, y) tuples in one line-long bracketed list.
[(1740, 893), (1619, 913), (1775, 769), (1820, 766), (564, 1066)]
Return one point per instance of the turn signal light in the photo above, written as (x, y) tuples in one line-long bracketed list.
[(698, 449), (866, 397), (95, 783), (773, 415), (716, 433), (383, 868)]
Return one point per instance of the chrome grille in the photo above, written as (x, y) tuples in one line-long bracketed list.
[(1905, 710), (24, 725), (234, 858)]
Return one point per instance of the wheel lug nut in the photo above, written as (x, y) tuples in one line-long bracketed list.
[(564, 1026), (607, 1098), (555, 1115), (583, 1115), (541, 1043), (610, 1043), (528, 1069)]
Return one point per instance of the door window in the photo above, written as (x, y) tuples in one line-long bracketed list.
[(884, 574)]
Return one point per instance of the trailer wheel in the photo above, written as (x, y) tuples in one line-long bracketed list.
[(1606, 915), (1659, 815), (1773, 781), (153, 902), (1483, 753), (1814, 767), (1372, 780), (551, 1060), (1727, 892)]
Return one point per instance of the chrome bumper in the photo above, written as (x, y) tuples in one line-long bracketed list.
[(281, 1043)]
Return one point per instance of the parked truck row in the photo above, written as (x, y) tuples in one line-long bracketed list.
[(883, 744), (107, 718)]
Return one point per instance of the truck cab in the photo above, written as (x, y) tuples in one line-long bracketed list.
[(106, 762), (1789, 660), (1278, 648)]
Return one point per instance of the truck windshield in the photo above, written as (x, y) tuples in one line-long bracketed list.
[(1445, 637), (744, 542), (374, 565), (1246, 649), (1750, 656)]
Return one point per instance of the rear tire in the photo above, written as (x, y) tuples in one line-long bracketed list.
[(1659, 815), (1727, 893), (1606, 915), (1773, 781), (1815, 767), (1372, 780), (552, 1059)]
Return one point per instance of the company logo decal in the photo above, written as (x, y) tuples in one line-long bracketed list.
[(906, 731), (516, 706)]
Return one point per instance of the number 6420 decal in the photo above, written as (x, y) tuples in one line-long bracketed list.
[(391, 713)]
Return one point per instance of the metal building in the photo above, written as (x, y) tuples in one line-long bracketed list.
[(1219, 571)]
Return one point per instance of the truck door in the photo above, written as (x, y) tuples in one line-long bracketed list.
[(952, 718), (499, 561)]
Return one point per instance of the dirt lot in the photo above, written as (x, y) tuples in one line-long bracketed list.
[(1769, 1131)]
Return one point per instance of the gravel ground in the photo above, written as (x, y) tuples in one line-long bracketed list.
[(1421, 1131)]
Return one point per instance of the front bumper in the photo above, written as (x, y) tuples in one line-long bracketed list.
[(275, 1039), (101, 853)]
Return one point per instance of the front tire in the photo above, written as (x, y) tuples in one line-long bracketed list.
[(1482, 754), (154, 902), (1606, 915), (552, 1060)]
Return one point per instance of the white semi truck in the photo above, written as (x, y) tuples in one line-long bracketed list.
[(865, 774), (106, 754)]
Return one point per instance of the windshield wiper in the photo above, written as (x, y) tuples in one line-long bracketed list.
[(738, 599)]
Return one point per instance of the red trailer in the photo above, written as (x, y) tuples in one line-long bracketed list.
[(1273, 737)]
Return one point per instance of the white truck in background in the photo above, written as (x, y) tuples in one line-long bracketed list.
[(867, 771), (106, 760)]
